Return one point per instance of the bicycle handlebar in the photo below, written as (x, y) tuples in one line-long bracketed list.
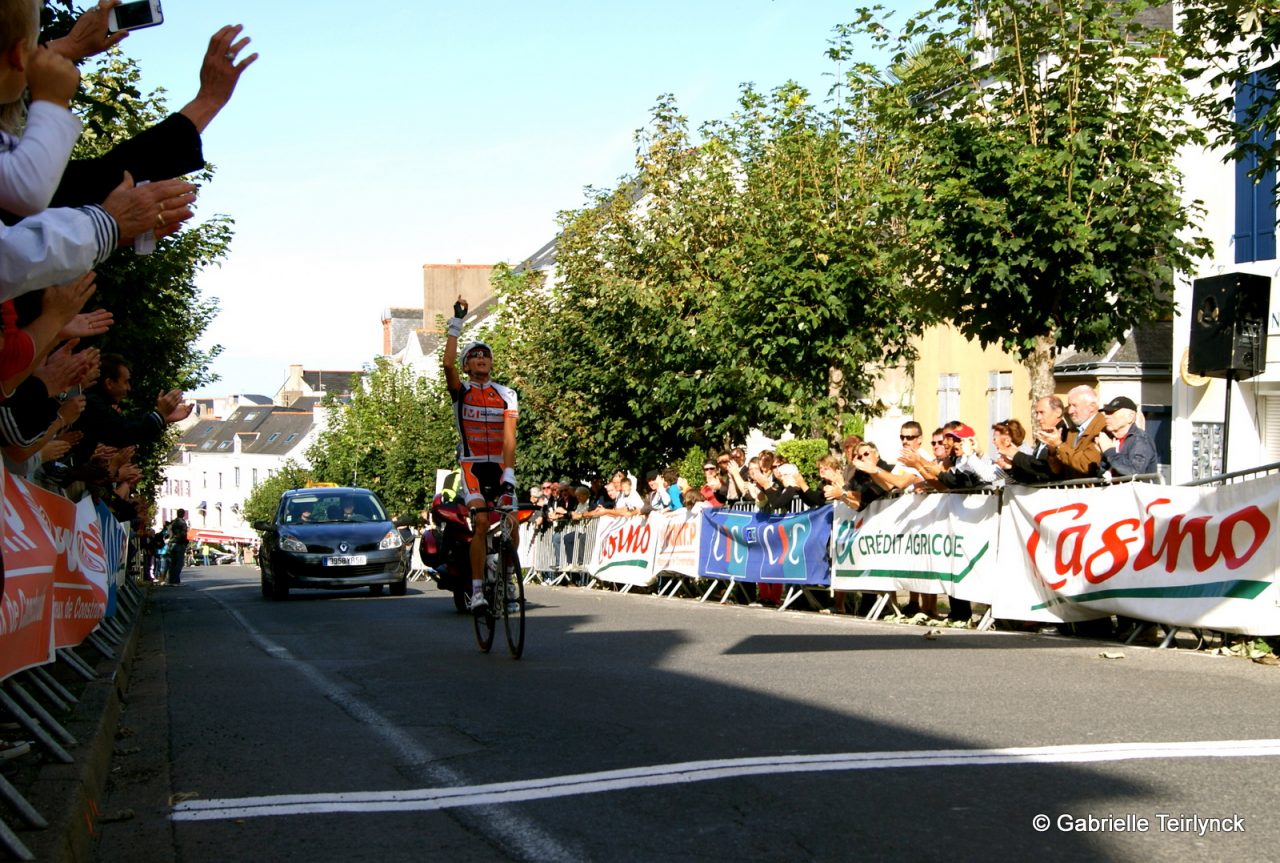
[(520, 507)]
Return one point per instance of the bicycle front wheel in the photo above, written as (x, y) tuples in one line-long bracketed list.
[(486, 619), (513, 606)]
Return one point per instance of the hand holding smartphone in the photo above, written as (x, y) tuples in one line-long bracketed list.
[(135, 16)]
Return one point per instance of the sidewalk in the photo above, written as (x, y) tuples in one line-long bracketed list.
[(69, 796)]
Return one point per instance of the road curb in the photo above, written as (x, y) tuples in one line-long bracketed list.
[(69, 795)]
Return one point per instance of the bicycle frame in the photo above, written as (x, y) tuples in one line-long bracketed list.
[(503, 587)]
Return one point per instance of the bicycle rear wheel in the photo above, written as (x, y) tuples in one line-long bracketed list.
[(485, 620), (513, 605)]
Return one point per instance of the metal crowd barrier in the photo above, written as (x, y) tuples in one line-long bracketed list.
[(31, 698), (1237, 476), (561, 551)]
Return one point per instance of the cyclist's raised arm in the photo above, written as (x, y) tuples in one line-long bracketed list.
[(451, 378)]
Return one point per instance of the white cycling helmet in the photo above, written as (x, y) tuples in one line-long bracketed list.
[(466, 352)]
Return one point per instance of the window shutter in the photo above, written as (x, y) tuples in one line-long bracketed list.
[(1271, 429), (1255, 229)]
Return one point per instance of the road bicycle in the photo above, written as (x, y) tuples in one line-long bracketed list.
[(503, 585)]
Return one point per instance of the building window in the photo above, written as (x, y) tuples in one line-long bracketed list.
[(999, 400), (237, 480), (219, 479), (204, 479), (1255, 234), (948, 398), (272, 438), (254, 475), (290, 438), (225, 445)]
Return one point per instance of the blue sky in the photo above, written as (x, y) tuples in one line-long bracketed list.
[(370, 139)]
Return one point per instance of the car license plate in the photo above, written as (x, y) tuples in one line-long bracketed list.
[(345, 560)]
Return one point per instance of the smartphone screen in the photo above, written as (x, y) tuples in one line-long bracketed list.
[(132, 15)]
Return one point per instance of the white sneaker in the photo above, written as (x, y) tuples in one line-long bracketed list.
[(479, 605)]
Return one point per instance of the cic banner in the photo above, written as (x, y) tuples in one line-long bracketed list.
[(1196, 557), (115, 542), (790, 548)]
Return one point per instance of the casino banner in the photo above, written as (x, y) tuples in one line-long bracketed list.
[(776, 548), (931, 543), (678, 538), (1197, 556), (623, 550)]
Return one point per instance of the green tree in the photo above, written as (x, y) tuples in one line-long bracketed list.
[(392, 436), (261, 503), (1043, 187), (755, 277), (804, 454)]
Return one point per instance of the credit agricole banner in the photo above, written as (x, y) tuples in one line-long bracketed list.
[(931, 543)]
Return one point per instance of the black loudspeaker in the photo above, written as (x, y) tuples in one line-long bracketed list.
[(1229, 326)]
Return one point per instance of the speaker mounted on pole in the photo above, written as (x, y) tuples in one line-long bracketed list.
[(1229, 326)]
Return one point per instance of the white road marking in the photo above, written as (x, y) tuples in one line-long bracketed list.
[(426, 799), (509, 828)]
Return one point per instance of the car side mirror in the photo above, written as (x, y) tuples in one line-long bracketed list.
[(406, 521), (263, 525)]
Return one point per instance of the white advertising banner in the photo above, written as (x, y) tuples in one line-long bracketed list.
[(623, 551), (1203, 557), (678, 535), (931, 543)]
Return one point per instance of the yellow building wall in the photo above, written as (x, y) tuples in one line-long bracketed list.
[(944, 351)]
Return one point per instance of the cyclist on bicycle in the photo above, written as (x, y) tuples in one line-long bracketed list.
[(486, 414)]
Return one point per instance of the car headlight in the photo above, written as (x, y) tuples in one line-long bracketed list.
[(289, 543), (391, 540)]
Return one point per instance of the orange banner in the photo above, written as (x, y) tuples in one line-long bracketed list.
[(26, 610), (55, 586), (80, 578)]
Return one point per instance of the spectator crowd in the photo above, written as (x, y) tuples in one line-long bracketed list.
[(66, 418), (1081, 440)]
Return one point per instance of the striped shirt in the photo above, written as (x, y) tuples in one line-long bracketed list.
[(481, 411)]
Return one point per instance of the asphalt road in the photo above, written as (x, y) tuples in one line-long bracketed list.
[(342, 727)]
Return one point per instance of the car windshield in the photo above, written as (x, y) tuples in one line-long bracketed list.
[(329, 508)]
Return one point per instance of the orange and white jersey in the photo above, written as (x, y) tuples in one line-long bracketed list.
[(481, 410)]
